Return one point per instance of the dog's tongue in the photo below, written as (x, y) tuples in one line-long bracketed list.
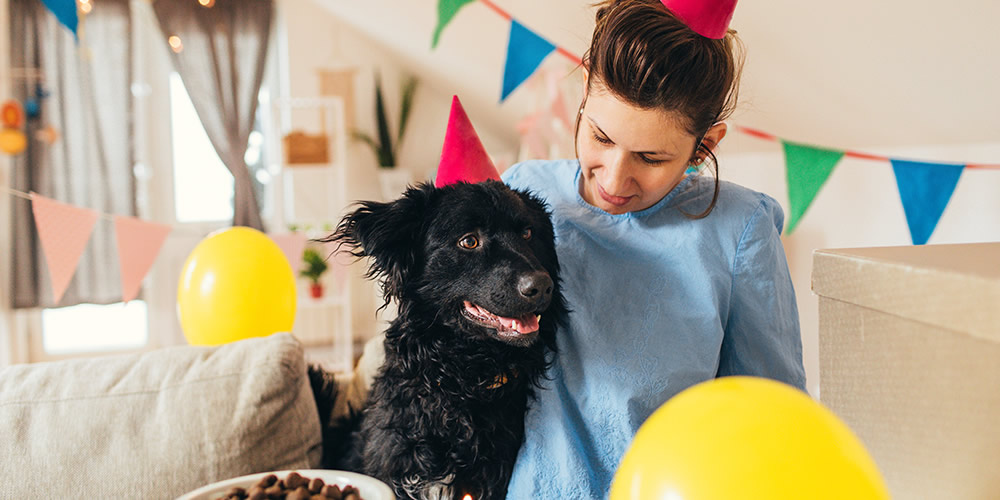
[(527, 324)]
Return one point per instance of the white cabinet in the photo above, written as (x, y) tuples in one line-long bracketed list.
[(314, 195)]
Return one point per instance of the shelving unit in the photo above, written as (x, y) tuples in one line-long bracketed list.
[(315, 195)]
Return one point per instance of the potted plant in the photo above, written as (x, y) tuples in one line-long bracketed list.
[(385, 147), (313, 269)]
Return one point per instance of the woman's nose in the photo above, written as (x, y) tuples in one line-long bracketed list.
[(616, 174)]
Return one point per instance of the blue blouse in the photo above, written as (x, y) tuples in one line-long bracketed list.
[(659, 302)]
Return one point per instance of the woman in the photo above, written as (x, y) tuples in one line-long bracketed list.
[(673, 278)]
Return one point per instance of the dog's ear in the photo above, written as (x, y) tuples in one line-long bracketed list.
[(390, 234)]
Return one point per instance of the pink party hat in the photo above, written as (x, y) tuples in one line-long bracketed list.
[(708, 18), (463, 157)]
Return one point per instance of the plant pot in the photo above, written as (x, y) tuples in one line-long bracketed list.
[(316, 290)]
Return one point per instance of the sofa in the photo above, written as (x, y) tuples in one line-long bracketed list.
[(156, 424)]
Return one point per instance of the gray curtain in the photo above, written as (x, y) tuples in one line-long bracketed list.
[(222, 65), (90, 165)]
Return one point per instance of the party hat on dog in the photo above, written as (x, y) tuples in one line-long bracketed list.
[(463, 157), (708, 18)]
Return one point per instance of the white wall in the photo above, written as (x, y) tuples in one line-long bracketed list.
[(859, 207)]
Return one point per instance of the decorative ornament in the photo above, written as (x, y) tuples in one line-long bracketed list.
[(463, 157), (47, 134), (12, 141), (11, 114), (33, 105), (708, 18)]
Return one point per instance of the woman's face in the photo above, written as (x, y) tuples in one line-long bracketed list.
[(631, 157)]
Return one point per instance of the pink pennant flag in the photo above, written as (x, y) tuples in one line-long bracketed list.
[(292, 245), (558, 106), (63, 231), (531, 135), (139, 243)]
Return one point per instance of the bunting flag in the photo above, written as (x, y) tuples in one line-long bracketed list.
[(65, 12), (532, 131), (446, 11), (548, 132), (292, 245), (63, 231), (807, 169), (525, 51), (139, 243), (558, 106), (924, 190)]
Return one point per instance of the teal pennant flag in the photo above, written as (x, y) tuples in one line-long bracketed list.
[(807, 168), (65, 12), (446, 11), (525, 51), (924, 190)]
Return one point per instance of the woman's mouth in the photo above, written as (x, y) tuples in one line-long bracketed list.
[(617, 201)]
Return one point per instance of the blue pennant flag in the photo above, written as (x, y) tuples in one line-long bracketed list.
[(924, 189), (525, 51), (65, 12)]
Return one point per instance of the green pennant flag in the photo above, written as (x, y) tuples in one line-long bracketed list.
[(446, 10), (807, 169)]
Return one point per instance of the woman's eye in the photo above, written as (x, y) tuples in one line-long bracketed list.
[(649, 160), (469, 242), (526, 234), (602, 139)]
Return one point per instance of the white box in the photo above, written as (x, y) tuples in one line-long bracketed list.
[(910, 360)]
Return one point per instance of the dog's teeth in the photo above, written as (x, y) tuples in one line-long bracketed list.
[(538, 317)]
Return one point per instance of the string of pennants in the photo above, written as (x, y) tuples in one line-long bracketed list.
[(65, 229), (925, 188)]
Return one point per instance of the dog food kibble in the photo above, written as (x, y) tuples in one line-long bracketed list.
[(293, 487)]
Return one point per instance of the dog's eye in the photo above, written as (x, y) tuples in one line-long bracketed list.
[(526, 234), (469, 242)]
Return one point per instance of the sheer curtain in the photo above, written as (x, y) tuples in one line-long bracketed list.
[(90, 165), (222, 65)]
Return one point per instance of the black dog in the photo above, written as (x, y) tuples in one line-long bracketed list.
[(472, 268)]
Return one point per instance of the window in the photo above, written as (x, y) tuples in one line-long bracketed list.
[(200, 199), (91, 328), (203, 186)]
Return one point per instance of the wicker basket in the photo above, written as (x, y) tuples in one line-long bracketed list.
[(301, 147)]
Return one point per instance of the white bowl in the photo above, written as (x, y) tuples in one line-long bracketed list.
[(369, 487)]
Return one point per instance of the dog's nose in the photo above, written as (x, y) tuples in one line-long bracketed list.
[(535, 286)]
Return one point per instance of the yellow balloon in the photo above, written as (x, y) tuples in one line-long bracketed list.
[(235, 284), (745, 438), (12, 141)]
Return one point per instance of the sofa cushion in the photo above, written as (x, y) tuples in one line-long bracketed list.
[(156, 424)]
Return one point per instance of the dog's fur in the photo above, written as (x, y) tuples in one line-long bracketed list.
[(445, 415)]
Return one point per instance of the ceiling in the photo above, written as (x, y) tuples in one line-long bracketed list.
[(845, 74)]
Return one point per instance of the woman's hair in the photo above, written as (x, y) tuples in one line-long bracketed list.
[(645, 56)]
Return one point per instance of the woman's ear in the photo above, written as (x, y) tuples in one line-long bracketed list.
[(715, 135), (711, 140)]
